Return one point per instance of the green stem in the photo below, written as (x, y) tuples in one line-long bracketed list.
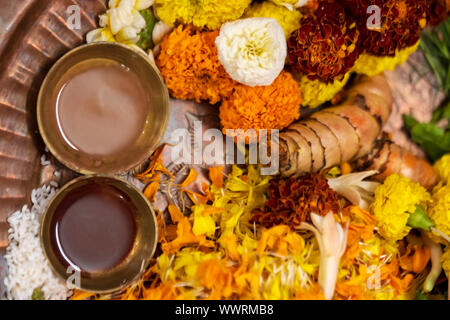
[(420, 220)]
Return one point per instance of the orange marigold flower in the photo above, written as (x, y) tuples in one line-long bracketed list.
[(190, 66), (262, 107)]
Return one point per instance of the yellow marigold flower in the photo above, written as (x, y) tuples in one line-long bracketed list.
[(201, 13), (445, 259), (395, 200), (439, 212), (316, 92), (288, 19), (442, 167), (372, 65)]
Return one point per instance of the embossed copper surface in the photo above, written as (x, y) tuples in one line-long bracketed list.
[(34, 34)]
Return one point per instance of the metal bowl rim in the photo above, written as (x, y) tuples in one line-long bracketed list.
[(88, 177), (39, 110)]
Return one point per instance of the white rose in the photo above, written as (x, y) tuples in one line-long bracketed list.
[(253, 50)]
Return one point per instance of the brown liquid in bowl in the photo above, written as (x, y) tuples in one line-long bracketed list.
[(93, 228), (101, 107)]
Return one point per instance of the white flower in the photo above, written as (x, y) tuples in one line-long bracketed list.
[(123, 14), (253, 50), (353, 187), (121, 17), (113, 3), (143, 4), (104, 20), (159, 31), (136, 4), (99, 35), (332, 239), (122, 22), (128, 34)]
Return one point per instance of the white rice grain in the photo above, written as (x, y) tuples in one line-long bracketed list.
[(44, 161), (28, 268)]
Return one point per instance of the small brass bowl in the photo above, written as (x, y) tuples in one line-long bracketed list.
[(128, 270), (155, 122)]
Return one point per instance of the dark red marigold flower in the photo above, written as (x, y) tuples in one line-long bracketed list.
[(324, 47), (437, 11), (291, 201), (401, 22)]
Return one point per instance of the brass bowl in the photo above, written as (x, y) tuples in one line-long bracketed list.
[(155, 122), (133, 266)]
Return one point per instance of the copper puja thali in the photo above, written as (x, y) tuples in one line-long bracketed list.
[(34, 34)]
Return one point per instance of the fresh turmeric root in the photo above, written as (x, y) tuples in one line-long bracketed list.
[(348, 132), (337, 134), (388, 158)]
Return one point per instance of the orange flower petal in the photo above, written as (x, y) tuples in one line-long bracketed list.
[(151, 189), (192, 176), (175, 214), (216, 176)]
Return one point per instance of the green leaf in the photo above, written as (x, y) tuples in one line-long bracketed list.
[(429, 136), (145, 40), (435, 44), (445, 143), (409, 122), (421, 296), (446, 112), (447, 81), (427, 132), (37, 294), (441, 113)]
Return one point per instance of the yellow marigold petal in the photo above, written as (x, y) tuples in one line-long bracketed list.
[(394, 201), (203, 223), (372, 65), (288, 19), (209, 13), (316, 92), (442, 167), (439, 212)]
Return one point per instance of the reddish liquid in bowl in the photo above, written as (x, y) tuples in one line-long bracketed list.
[(101, 107), (93, 228)]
